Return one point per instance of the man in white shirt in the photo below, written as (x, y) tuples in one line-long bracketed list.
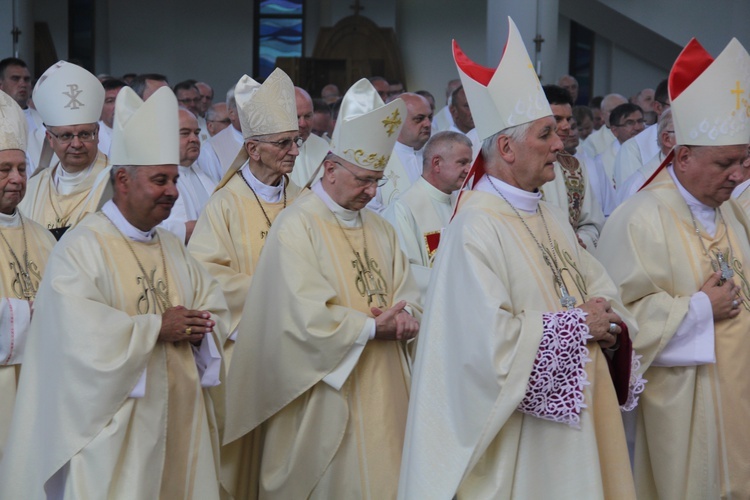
[(602, 138), (219, 151), (421, 213), (15, 80), (405, 164), (313, 149)]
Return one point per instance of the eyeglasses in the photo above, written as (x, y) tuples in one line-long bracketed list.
[(226, 120), (285, 143), (631, 123), (67, 137), (365, 181)]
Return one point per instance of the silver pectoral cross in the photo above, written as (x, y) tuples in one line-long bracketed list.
[(567, 300), (726, 271)]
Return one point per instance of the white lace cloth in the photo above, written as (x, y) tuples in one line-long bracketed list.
[(555, 390)]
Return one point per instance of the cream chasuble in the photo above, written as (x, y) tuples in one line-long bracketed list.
[(228, 238), (44, 204), (419, 216), (311, 155), (93, 337), (319, 442), (492, 303), (692, 438), (14, 308)]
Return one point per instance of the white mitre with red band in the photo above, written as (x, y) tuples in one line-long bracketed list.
[(507, 96), (710, 98)]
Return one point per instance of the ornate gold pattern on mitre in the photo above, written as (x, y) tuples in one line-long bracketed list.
[(371, 161), (392, 122)]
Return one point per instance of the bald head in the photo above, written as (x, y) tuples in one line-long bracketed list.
[(570, 84), (418, 124), (190, 143), (610, 102), (304, 112)]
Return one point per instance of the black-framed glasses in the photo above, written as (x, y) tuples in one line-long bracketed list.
[(67, 137), (285, 143), (365, 181), (188, 100)]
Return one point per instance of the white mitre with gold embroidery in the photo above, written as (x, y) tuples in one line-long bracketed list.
[(367, 129), (145, 133), (267, 108), (67, 94), (13, 127), (710, 103), (507, 96)]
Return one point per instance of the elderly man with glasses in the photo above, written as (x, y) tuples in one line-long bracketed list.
[(322, 338), (70, 100), (232, 229)]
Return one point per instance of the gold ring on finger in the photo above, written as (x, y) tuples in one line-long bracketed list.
[(188, 331)]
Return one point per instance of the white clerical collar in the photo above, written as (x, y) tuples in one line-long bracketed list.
[(112, 211), (348, 218), (703, 213), (12, 220), (66, 182), (269, 194), (522, 200), (434, 192)]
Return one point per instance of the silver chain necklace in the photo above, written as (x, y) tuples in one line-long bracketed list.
[(566, 300)]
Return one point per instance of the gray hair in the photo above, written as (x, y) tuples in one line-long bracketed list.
[(665, 121), (440, 140), (517, 133), (129, 169)]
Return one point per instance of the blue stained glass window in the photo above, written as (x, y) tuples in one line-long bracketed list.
[(279, 33), (284, 7)]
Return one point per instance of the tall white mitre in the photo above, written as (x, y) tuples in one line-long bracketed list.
[(504, 97), (67, 94), (710, 103), (367, 129), (145, 133), (267, 108), (13, 128)]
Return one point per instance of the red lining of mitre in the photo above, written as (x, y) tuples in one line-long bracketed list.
[(475, 71), (476, 172), (689, 65)]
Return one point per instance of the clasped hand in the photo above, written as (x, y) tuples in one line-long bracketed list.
[(175, 323), (600, 317), (394, 323)]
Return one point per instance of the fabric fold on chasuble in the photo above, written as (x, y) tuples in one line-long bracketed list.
[(319, 442)]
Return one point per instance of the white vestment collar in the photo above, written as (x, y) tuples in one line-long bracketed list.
[(12, 220), (113, 213), (269, 194), (65, 182), (520, 199), (348, 218)]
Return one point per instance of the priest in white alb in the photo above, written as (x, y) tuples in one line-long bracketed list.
[(523, 358), (195, 186), (679, 252), (314, 149), (423, 211), (319, 368), (70, 100), (127, 334), (24, 248)]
